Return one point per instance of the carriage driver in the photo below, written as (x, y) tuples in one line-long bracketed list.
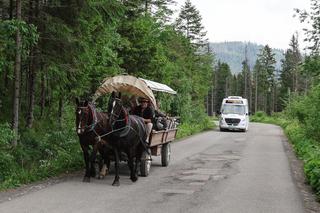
[(145, 111)]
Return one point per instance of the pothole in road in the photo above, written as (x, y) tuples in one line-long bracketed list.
[(176, 191), (204, 158), (195, 177), (202, 171)]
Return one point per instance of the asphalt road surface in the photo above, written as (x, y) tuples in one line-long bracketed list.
[(210, 172)]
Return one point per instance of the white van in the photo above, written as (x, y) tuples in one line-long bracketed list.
[(234, 114)]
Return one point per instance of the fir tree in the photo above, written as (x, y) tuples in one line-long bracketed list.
[(290, 76), (266, 77), (189, 23), (312, 17)]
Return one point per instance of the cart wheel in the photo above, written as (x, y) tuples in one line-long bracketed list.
[(165, 154), (145, 164)]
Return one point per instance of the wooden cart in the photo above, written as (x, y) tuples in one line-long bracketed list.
[(160, 145)]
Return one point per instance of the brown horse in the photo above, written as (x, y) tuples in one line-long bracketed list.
[(90, 126), (128, 135)]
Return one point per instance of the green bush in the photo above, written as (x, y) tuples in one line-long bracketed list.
[(307, 110), (7, 165), (39, 154), (308, 150), (190, 128)]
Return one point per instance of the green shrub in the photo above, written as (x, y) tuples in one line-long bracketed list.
[(7, 165), (39, 154), (307, 110), (190, 128)]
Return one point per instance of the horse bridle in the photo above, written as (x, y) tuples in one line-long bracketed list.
[(115, 115), (91, 127)]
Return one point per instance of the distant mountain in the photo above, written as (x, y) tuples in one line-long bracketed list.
[(233, 53)]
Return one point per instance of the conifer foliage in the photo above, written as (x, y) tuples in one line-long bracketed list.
[(189, 23)]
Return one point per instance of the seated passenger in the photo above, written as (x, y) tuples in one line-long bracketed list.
[(160, 120), (129, 103), (146, 112)]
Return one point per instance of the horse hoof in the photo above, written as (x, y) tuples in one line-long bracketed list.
[(116, 183), (134, 179), (86, 180)]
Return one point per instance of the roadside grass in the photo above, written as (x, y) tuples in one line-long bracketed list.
[(48, 155), (191, 128), (42, 153), (306, 148)]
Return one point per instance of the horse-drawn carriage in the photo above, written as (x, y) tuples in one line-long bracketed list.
[(123, 132), (159, 141)]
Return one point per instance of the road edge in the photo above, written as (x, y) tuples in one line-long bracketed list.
[(297, 173)]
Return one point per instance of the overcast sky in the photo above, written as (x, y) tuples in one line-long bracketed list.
[(261, 21)]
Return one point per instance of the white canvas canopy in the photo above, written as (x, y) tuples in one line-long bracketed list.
[(155, 86), (125, 83)]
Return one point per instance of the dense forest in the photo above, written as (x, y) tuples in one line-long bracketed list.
[(234, 52), (56, 50)]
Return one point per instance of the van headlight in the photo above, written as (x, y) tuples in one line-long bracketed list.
[(222, 121)]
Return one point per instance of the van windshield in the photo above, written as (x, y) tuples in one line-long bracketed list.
[(233, 109)]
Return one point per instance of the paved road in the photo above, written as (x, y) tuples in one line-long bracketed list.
[(210, 172)]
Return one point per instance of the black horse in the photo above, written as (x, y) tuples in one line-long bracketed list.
[(90, 126), (128, 135)]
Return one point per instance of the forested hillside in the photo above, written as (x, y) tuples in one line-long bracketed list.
[(266, 87), (54, 51), (233, 53)]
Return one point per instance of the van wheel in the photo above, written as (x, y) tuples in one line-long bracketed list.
[(222, 129)]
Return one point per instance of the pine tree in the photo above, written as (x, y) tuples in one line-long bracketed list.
[(189, 23), (161, 9), (256, 73), (224, 83), (246, 78), (266, 77), (311, 66), (291, 79), (313, 17)]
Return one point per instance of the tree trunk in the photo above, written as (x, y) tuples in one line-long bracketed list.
[(207, 103), (212, 111), (256, 95), (2, 13), (17, 80), (215, 91), (43, 94), (245, 84), (250, 97), (32, 82), (11, 10), (33, 68)]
